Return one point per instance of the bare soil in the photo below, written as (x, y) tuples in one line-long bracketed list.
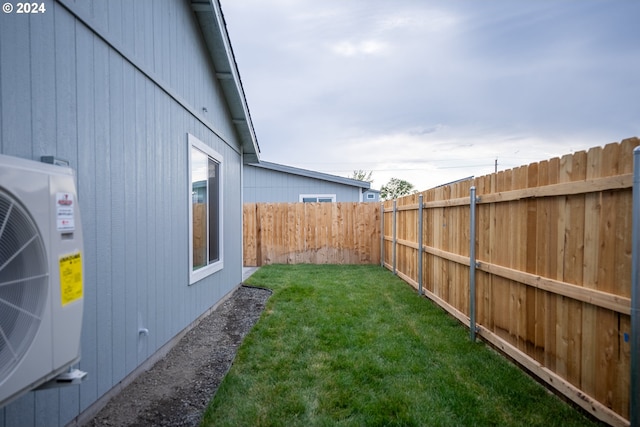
[(176, 391)]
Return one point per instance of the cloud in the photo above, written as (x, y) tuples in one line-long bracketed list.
[(429, 159), (420, 19), (365, 47)]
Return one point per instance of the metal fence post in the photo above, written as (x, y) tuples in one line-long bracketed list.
[(634, 381), (472, 266), (420, 244), (395, 238)]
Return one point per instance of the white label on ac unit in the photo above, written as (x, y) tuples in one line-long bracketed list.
[(64, 212)]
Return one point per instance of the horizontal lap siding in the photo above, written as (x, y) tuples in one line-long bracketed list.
[(66, 92)]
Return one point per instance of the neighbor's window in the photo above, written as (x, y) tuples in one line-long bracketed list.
[(311, 198), (371, 196), (205, 209)]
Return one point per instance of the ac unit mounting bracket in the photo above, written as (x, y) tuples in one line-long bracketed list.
[(71, 377)]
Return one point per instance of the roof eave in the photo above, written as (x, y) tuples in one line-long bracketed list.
[(214, 30), (313, 174)]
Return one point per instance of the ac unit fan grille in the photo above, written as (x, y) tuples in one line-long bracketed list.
[(23, 282)]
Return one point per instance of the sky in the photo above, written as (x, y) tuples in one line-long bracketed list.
[(431, 91)]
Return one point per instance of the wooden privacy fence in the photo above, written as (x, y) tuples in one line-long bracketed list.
[(315, 233), (553, 272)]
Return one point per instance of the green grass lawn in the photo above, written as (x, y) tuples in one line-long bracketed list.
[(356, 346)]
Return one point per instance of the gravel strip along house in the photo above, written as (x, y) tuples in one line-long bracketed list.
[(144, 102)]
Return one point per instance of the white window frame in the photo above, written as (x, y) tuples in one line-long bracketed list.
[(317, 196), (371, 196), (201, 273)]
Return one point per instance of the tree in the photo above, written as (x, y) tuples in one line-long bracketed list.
[(396, 188), (362, 175)]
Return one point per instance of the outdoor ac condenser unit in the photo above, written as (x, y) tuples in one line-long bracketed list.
[(41, 274)]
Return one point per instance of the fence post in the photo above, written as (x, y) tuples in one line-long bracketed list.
[(382, 234), (472, 265), (394, 236), (420, 244), (634, 381)]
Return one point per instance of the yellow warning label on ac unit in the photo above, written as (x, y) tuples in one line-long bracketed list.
[(70, 278)]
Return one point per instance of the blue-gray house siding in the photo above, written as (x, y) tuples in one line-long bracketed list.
[(274, 183), (115, 87)]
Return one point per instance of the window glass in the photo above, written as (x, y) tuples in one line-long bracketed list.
[(313, 198), (214, 211), (205, 210), (199, 195)]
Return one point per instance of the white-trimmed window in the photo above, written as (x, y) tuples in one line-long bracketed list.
[(312, 198), (371, 196), (205, 210)]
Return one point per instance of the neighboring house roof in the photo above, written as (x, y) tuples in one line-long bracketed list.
[(454, 182), (312, 174), (214, 31)]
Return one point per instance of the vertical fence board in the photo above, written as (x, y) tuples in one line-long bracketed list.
[(484, 281), (300, 247), (589, 275), (519, 256), (607, 334), (543, 221), (533, 345), (501, 249), (574, 261), (249, 233), (552, 271)]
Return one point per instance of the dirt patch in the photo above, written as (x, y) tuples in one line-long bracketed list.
[(176, 391)]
